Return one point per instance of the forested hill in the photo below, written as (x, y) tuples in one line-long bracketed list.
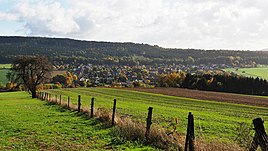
[(76, 51)]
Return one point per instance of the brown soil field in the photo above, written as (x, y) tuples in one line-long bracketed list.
[(208, 95)]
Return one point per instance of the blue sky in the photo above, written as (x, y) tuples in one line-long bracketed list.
[(7, 27), (205, 24)]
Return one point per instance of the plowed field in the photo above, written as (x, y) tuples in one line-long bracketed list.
[(208, 95)]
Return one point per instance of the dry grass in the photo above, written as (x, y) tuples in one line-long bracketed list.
[(135, 131), (216, 146)]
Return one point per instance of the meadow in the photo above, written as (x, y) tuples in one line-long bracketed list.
[(32, 124), (3, 78), (3, 71), (213, 120), (5, 66), (260, 72)]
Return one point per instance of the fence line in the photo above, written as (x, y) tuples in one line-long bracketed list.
[(79, 105), (260, 137)]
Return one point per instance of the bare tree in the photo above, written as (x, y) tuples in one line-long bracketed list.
[(31, 71)]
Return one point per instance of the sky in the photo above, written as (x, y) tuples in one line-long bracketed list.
[(201, 24)]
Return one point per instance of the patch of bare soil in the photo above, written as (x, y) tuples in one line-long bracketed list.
[(208, 95)]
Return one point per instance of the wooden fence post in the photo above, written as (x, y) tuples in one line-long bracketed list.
[(48, 97), (92, 108), (56, 97), (68, 104), (60, 99), (260, 137), (190, 133), (79, 103), (148, 123), (113, 116)]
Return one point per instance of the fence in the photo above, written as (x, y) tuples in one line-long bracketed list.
[(260, 137)]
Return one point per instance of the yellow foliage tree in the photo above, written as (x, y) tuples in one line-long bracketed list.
[(75, 78), (69, 79), (10, 85), (173, 79)]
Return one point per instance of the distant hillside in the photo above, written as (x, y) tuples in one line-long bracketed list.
[(76, 51)]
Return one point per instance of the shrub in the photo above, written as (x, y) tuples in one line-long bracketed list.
[(244, 134), (10, 86), (22, 87), (57, 86)]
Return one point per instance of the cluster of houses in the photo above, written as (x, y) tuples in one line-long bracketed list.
[(130, 75)]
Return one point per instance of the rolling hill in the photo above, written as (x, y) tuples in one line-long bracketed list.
[(61, 50)]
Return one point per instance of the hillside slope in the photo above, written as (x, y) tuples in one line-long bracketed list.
[(62, 50), (31, 124)]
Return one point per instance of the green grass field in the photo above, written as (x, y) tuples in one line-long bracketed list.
[(251, 72), (3, 72), (32, 124), (213, 120), (5, 66), (3, 78)]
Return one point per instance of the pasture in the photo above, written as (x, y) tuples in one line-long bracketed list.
[(213, 120), (3, 78), (32, 124), (260, 72), (5, 66), (3, 71)]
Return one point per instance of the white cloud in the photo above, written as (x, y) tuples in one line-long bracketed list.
[(45, 18), (231, 24), (7, 17)]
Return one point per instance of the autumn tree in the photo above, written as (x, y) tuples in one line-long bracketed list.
[(174, 79), (59, 78), (31, 71), (69, 79)]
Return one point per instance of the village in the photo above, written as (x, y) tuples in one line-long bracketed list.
[(129, 76)]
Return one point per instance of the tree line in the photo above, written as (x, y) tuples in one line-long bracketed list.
[(216, 82)]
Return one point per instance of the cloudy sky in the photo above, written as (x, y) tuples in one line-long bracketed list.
[(205, 24)]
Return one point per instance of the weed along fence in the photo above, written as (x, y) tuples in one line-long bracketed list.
[(146, 133)]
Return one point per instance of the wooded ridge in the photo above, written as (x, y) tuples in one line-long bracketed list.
[(62, 50)]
